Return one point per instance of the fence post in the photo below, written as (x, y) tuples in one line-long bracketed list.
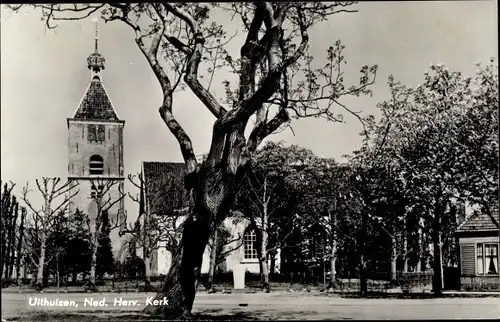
[(238, 278)]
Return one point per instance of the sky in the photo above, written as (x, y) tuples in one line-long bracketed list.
[(44, 76)]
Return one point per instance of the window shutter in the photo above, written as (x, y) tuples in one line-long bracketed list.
[(467, 260)]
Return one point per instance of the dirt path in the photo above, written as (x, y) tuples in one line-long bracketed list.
[(264, 306)]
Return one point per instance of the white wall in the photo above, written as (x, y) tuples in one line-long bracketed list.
[(234, 261)]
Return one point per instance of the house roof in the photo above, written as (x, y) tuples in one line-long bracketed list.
[(479, 222), (96, 104), (163, 187)]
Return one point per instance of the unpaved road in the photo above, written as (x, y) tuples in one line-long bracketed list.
[(275, 306)]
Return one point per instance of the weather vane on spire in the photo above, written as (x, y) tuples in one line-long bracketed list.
[(95, 19)]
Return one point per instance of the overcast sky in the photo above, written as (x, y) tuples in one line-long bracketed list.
[(44, 75)]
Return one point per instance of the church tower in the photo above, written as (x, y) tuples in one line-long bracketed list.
[(95, 152)]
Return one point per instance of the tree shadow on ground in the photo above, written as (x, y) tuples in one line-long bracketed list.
[(206, 315), (258, 315), (412, 296)]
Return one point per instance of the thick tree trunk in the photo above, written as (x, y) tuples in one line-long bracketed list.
[(212, 186), (213, 260), (394, 257), (93, 262), (179, 289)]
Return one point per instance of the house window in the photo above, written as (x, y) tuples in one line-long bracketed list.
[(487, 259), (96, 133), (96, 165), (250, 243)]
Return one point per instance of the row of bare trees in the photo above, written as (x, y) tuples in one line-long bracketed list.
[(41, 228), (44, 220), (31, 235), (12, 232)]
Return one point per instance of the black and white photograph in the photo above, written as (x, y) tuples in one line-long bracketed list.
[(226, 161)]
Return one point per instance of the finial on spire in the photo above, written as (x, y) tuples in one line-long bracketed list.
[(95, 19), (95, 61)]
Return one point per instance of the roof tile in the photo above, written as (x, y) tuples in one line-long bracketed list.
[(164, 183), (96, 104), (479, 221)]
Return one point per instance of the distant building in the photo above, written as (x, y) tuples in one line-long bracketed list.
[(95, 149), (163, 183), (479, 245)]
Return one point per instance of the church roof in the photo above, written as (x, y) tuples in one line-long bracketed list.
[(95, 104), (163, 187), (479, 222)]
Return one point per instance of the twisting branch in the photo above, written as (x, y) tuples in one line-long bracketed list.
[(106, 194)]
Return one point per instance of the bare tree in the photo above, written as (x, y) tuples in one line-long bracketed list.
[(276, 78), (270, 198), (10, 211), (160, 221), (267, 203), (220, 245), (105, 195), (45, 219), (19, 248)]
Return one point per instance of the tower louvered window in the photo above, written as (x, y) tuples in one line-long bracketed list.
[(101, 133), (91, 133), (96, 165), (96, 133)]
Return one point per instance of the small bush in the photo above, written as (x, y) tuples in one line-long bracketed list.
[(406, 287), (6, 282), (90, 287)]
